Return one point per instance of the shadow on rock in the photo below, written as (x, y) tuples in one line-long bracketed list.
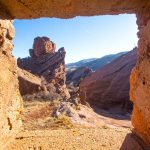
[(133, 142)]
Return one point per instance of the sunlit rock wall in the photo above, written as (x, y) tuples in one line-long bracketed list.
[(140, 79), (10, 100)]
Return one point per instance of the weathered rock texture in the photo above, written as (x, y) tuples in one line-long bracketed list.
[(140, 78), (10, 99), (109, 85), (42, 46), (76, 75), (47, 64), (68, 8), (28, 83)]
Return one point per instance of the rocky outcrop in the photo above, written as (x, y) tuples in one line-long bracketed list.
[(42, 46), (109, 86), (47, 64), (76, 75), (28, 83), (33, 87)]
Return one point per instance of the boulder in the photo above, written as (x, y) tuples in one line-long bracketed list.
[(28, 83)]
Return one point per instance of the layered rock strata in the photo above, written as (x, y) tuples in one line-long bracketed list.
[(48, 65)]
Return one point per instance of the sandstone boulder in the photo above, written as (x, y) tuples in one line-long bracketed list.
[(28, 83), (109, 86)]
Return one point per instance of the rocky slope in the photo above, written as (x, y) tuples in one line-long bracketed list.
[(109, 85), (48, 65), (77, 71), (76, 75)]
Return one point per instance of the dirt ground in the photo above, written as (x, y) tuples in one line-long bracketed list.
[(38, 115), (98, 131), (77, 139)]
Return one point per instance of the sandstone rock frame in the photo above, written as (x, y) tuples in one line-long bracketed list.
[(10, 100)]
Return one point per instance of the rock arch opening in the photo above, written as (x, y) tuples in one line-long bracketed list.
[(11, 103)]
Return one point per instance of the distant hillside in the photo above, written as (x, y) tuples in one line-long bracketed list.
[(95, 63)]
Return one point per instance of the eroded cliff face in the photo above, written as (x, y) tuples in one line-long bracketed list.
[(10, 100), (140, 79)]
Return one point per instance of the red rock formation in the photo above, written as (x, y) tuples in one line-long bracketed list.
[(109, 85), (42, 46), (47, 63)]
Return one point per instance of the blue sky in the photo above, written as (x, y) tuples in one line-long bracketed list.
[(82, 37)]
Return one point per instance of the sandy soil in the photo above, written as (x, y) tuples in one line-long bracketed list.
[(77, 139)]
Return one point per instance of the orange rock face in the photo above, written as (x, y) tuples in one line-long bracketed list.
[(43, 45), (10, 99), (140, 79)]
